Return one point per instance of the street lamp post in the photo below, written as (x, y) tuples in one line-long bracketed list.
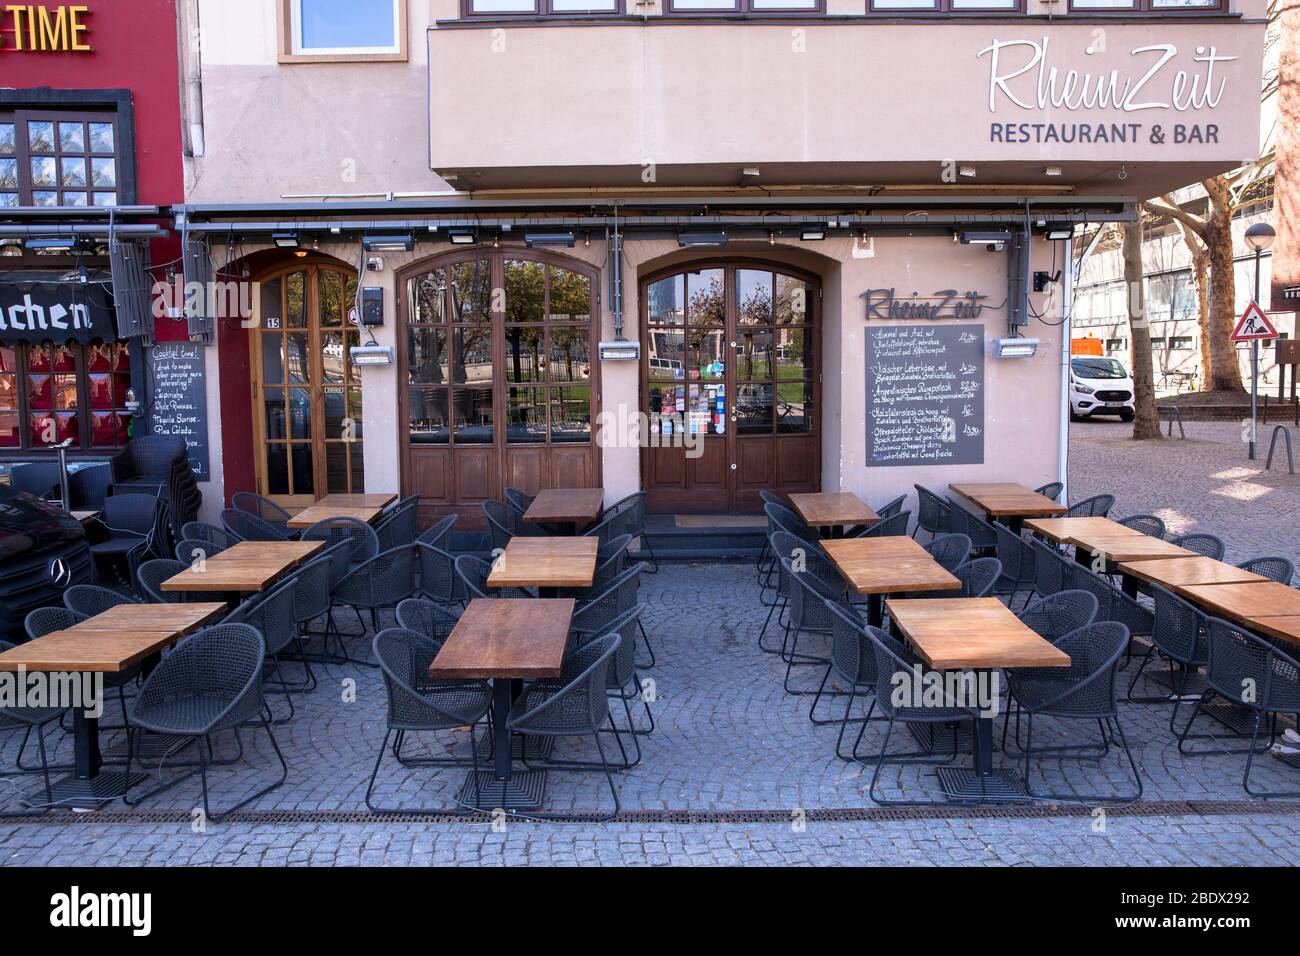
[(1260, 238)]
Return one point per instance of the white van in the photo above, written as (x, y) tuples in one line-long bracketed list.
[(1100, 386)]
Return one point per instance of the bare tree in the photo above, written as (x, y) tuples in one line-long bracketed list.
[(1208, 237), (1146, 423)]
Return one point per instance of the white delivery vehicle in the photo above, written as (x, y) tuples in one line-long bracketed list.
[(1100, 386)]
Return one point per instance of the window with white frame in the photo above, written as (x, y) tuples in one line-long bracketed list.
[(351, 29)]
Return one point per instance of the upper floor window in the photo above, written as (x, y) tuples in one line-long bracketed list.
[(1144, 6), (58, 159), (324, 30), (510, 8), (745, 6), (945, 6)]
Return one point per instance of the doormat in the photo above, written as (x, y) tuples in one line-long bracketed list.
[(720, 521)]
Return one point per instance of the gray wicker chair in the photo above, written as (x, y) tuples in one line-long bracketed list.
[(313, 599), (129, 523), (190, 550), (365, 542), (1178, 635), (1051, 490), (439, 580), (91, 599), (894, 658), (385, 580), (853, 662), (419, 704), (437, 532), (950, 550), (626, 516), (1250, 672), (153, 573), (1059, 614), (577, 704), (265, 509), (1280, 570), (197, 530), (41, 478), (1114, 604), (1098, 506), (619, 596), (47, 620), (249, 527), (1147, 524), (891, 508), (1083, 691), (977, 578), (501, 524), (1053, 572), (625, 681), (519, 500), (29, 719), (812, 587), (1019, 565), (426, 618), (895, 526), (210, 682), (983, 537), (398, 526), (273, 614), (473, 574), (932, 512), (1202, 543)]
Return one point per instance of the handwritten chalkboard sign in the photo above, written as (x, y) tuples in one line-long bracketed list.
[(180, 400), (925, 394)]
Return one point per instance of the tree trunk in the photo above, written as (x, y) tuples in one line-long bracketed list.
[(1225, 373), (1147, 422), (1201, 282)]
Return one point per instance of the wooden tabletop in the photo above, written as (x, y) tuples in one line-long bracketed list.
[(1245, 602), (971, 634), (244, 566), (566, 506), (112, 641), (1129, 547), (551, 562), (374, 500), (1061, 530), (888, 565), (833, 509), (1007, 499), (508, 638), (1175, 573), (1285, 627), (320, 511)]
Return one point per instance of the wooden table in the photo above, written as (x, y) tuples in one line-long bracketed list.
[(105, 644), (1284, 627), (1245, 603), (546, 564), (85, 517), (979, 634), (833, 511), (1007, 500), (1177, 573), (572, 508), (244, 567), (879, 566), (1062, 530), (365, 508), (507, 641)]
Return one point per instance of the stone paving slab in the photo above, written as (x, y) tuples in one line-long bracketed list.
[(729, 739)]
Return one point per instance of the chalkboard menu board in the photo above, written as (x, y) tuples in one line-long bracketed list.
[(180, 400), (925, 394)]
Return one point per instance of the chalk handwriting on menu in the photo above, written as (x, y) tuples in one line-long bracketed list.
[(925, 394), (180, 407), (944, 304)]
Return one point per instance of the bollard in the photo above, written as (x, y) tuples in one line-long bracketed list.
[(1290, 462), (1174, 413)]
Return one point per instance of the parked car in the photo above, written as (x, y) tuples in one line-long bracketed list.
[(1100, 386), (43, 550)]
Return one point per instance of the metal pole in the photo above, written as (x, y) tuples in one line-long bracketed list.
[(1254, 368), (63, 473)]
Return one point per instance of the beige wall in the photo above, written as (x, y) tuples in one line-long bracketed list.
[(1021, 396)]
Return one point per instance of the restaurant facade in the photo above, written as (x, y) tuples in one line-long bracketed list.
[(699, 249), (90, 159)]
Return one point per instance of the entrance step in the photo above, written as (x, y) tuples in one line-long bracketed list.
[(706, 537)]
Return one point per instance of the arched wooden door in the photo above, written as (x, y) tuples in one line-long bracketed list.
[(731, 384), (307, 415)]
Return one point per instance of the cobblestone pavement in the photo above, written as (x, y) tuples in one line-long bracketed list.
[(1202, 483), (731, 746)]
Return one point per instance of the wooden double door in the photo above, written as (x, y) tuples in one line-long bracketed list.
[(730, 385)]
